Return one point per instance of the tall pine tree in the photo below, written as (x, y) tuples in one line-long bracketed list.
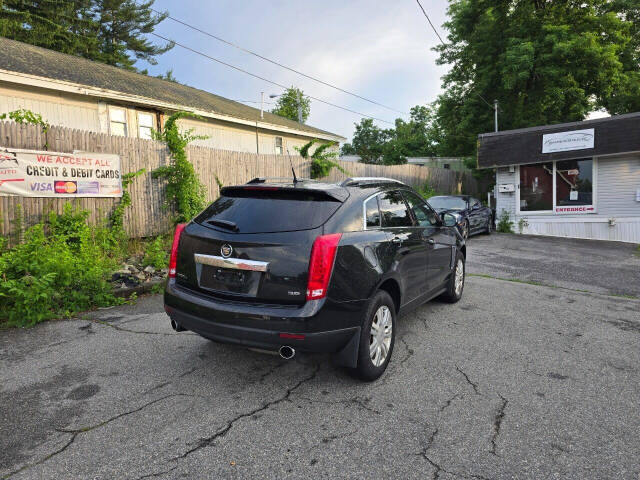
[(108, 31)]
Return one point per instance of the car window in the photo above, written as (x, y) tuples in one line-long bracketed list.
[(424, 214), (473, 202), (448, 203), (254, 211), (394, 211), (372, 213)]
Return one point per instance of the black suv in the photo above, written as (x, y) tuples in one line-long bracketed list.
[(317, 267)]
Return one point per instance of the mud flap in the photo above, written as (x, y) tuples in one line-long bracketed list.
[(348, 356)]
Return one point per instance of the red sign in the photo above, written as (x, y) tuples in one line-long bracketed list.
[(576, 209)]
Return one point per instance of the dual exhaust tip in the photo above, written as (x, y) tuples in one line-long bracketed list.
[(285, 351)]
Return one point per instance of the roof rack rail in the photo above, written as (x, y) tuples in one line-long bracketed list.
[(276, 179), (362, 180)]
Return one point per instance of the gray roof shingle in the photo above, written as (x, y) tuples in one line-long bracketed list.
[(28, 59)]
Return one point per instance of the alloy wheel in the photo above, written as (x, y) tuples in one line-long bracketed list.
[(380, 336), (459, 279)]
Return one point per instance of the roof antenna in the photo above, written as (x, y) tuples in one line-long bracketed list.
[(295, 179)]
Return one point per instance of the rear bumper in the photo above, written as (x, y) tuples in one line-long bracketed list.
[(327, 326)]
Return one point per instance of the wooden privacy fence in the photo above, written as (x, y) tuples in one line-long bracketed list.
[(147, 215)]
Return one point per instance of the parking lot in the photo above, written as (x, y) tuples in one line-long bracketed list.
[(517, 380)]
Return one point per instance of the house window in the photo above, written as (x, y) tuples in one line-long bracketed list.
[(563, 187), (278, 145), (145, 125), (118, 121)]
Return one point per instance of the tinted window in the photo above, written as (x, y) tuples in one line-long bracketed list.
[(473, 202), (394, 211), (372, 213), (263, 212), (448, 203), (426, 216)]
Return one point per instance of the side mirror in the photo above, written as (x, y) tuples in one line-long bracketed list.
[(449, 220)]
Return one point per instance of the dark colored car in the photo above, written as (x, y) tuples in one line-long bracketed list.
[(316, 267), (472, 216)]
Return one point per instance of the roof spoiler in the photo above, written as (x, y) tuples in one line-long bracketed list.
[(353, 181), (338, 194)]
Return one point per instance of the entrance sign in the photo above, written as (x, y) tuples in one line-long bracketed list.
[(32, 173), (565, 141), (575, 209)]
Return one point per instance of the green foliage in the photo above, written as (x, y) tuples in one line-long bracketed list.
[(117, 216), (184, 190), (58, 270), (156, 253), (546, 62), (522, 224), (108, 31), (25, 116), (505, 224), (427, 191), (414, 138), (287, 105), (321, 161)]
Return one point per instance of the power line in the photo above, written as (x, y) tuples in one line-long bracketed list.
[(284, 87), (279, 64), (442, 41)]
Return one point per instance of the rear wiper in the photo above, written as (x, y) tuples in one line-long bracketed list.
[(224, 224)]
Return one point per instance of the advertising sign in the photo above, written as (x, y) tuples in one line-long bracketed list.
[(31, 173), (565, 141)]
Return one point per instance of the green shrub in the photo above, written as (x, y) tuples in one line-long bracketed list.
[(58, 270), (184, 191), (427, 191), (505, 225), (156, 254)]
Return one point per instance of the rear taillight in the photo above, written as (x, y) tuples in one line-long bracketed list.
[(323, 254), (173, 259)]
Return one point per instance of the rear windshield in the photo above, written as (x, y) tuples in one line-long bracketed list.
[(264, 212), (448, 203)]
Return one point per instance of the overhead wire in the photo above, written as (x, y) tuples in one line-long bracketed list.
[(274, 62)]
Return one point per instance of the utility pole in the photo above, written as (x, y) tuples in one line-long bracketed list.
[(262, 105), (299, 106), (495, 110)]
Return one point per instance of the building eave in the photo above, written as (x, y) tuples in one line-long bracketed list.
[(101, 93)]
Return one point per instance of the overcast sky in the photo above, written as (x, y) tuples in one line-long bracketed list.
[(378, 49)]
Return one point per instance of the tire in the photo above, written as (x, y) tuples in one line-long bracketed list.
[(382, 310), (464, 231), (453, 294)]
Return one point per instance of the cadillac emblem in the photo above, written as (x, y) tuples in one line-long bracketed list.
[(226, 250)]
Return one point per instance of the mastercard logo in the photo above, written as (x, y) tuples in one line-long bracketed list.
[(65, 187)]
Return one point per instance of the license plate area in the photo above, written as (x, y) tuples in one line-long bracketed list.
[(240, 282)]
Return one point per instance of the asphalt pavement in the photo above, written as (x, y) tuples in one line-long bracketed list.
[(514, 381)]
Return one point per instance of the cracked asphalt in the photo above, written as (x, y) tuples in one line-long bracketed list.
[(514, 381)]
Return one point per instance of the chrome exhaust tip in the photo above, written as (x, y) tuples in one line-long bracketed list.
[(287, 352), (176, 326)]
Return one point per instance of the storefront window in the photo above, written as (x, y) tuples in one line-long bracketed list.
[(536, 187), (574, 182)]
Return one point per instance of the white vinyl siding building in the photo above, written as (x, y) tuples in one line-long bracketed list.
[(570, 193), (77, 93)]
